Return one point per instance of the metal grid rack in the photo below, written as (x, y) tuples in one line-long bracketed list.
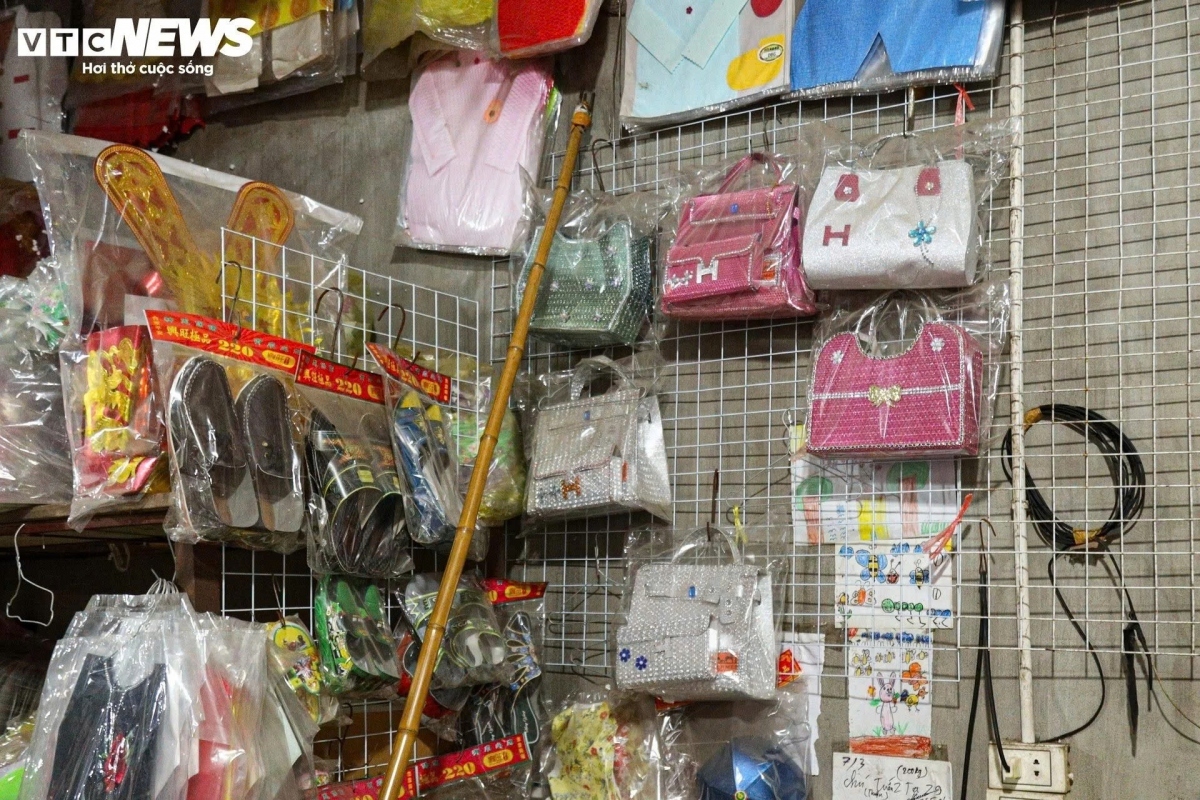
[(728, 391), (1110, 187), (323, 296)]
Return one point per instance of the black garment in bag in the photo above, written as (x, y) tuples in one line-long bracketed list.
[(108, 738)]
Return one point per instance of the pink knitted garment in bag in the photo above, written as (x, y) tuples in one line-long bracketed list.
[(463, 188), (923, 401)]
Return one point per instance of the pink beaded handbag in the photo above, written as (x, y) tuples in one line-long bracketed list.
[(736, 255), (925, 401)]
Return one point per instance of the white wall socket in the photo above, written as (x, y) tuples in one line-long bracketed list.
[(1034, 771)]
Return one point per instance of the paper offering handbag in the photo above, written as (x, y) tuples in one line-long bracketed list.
[(736, 254), (908, 227), (599, 454), (698, 632), (924, 401), (596, 291)]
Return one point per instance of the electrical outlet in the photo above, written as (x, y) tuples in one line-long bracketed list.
[(1004, 794), (1040, 769)]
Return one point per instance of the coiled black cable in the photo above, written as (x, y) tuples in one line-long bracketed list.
[(1128, 475), (1124, 466)]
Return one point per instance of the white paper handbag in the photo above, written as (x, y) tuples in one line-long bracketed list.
[(908, 227), (699, 632), (601, 454)]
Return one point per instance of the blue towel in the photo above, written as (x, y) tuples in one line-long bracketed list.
[(834, 38)]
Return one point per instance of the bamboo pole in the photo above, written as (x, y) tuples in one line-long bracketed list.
[(410, 721)]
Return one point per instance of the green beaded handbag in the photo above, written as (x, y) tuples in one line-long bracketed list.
[(596, 292)]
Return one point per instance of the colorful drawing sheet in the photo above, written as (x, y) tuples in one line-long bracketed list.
[(862, 777), (863, 501), (893, 587), (889, 692)]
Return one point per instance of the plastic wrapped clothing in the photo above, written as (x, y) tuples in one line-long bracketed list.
[(477, 125), (871, 45), (689, 60)]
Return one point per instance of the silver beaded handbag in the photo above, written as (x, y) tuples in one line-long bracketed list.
[(600, 454), (699, 632), (596, 292)]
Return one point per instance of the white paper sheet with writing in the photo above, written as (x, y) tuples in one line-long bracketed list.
[(861, 777)]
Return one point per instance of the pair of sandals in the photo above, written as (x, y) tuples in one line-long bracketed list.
[(473, 649), (506, 709), (423, 443), (358, 651), (237, 459), (356, 479)]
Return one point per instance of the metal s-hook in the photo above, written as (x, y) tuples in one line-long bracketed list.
[(403, 322), (596, 164), (22, 579), (337, 323), (716, 491), (237, 288)]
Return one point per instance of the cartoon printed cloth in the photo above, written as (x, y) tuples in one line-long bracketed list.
[(688, 57), (834, 38), (596, 755)]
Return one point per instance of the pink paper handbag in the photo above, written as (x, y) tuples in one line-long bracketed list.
[(925, 401), (736, 255)]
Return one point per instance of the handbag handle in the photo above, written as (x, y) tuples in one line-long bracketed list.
[(739, 169), (872, 150), (897, 300), (700, 538), (591, 368)]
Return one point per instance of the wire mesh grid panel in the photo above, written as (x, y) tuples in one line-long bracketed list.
[(339, 309), (1110, 276), (728, 392)]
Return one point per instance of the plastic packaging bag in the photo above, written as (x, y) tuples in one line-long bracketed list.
[(907, 374), (698, 619), (886, 46), (477, 124), (905, 211), (419, 403), (603, 746), (304, 46), (121, 704), (114, 406), (235, 433), (35, 459), (473, 648), (527, 28), (682, 66), (506, 709), (601, 453), (356, 498), (598, 286), (295, 654), (736, 254), (358, 652), (32, 98)]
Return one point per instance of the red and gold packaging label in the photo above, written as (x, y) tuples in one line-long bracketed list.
[(433, 385), (225, 339), (320, 373)]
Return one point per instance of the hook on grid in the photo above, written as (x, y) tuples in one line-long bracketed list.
[(403, 321), (336, 343), (237, 288), (21, 580), (596, 164)]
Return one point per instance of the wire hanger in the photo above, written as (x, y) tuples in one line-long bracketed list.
[(22, 579), (336, 343), (237, 290), (596, 164)]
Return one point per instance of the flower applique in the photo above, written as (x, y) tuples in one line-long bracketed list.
[(837, 356), (922, 234), (936, 344), (625, 655), (641, 663)]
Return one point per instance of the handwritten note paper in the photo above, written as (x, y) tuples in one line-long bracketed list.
[(860, 777)]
